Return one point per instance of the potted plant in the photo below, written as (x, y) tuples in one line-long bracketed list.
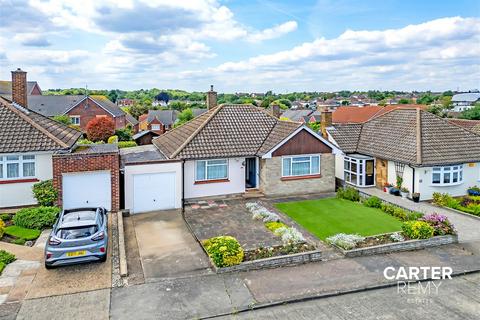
[(387, 186), (404, 192), (473, 191), (395, 191), (416, 197)]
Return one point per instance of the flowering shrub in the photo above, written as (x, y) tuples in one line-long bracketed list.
[(290, 235), (274, 225), (45, 193), (345, 241), (225, 251), (418, 229), (397, 237), (440, 223), (261, 213)]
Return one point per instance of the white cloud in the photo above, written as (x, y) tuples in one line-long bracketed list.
[(275, 32)]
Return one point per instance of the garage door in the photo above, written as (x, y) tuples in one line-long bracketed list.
[(87, 189), (153, 191)]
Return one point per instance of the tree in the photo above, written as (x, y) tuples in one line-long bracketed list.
[(63, 118), (266, 102), (137, 110), (404, 101), (426, 99), (472, 114), (113, 95), (99, 129), (437, 110), (315, 126), (184, 116), (446, 102)]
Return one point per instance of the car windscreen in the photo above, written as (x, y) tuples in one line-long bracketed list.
[(76, 232)]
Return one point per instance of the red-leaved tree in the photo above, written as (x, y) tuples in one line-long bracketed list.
[(100, 129)]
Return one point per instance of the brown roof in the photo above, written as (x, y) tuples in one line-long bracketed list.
[(229, 130), (472, 125), (362, 114), (393, 136), (22, 130)]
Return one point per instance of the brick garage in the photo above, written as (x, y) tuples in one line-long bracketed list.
[(88, 159)]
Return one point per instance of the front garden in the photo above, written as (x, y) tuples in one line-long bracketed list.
[(468, 204)]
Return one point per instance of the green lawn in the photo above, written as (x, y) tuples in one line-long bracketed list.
[(23, 233), (326, 217)]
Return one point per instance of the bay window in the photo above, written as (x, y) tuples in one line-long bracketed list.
[(17, 167), (211, 169), (449, 175), (359, 170), (300, 165)]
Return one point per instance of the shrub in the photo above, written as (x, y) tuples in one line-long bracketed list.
[(261, 213), (445, 200), (6, 257), (99, 129), (127, 144), (399, 182), (400, 213), (5, 217), (84, 141), (45, 193), (388, 208), (413, 215), (124, 134), (397, 237), (24, 233), (112, 139), (63, 118), (290, 236), (345, 241), (348, 193), (418, 229), (36, 218), (373, 202), (274, 225), (19, 241), (224, 251), (472, 208), (440, 223), (2, 228)]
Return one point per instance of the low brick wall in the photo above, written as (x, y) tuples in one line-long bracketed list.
[(274, 262), (401, 246)]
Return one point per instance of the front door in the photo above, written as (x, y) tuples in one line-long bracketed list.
[(250, 173), (382, 167), (369, 173)]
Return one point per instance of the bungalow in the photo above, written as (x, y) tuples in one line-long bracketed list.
[(27, 143), (428, 153), (160, 121)]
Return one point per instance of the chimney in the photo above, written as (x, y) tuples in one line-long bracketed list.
[(211, 98), (19, 87), (325, 121), (276, 111)]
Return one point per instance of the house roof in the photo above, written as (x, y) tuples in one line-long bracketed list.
[(131, 119), (140, 154), (229, 130), (472, 125), (6, 87), (296, 115), (167, 117), (22, 130), (54, 105), (412, 136), (467, 97), (142, 133), (362, 114)]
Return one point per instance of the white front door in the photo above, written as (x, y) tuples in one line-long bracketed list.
[(87, 189), (153, 191)]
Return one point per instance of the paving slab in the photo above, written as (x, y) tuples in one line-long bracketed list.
[(166, 247), (84, 305)]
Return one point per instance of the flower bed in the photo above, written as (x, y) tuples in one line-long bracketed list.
[(469, 204)]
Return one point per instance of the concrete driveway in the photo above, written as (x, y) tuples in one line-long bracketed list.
[(166, 247)]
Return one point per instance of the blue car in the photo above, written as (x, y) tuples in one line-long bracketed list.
[(78, 236)]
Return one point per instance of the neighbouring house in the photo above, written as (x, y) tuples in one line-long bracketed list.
[(80, 108), (297, 114), (347, 114), (6, 88), (464, 101), (27, 142), (125, 102), (471, 125), (144, 137), (160, 121), (429, 153), (132, 122)]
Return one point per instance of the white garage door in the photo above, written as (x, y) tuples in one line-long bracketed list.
[(153, 191), (87, 189)]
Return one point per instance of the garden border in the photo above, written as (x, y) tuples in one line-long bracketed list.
[(400, 246), (456, 211), (365, 195)]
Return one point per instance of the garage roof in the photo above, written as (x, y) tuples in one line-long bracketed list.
[(140, 154)]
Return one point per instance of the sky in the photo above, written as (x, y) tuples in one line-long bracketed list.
[(243, 46)]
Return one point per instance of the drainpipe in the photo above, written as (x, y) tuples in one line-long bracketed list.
[(183, 185), (413, 179)]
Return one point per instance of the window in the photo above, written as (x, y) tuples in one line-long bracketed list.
[(156, 127), (75, 120), (359, 171), (300, 166), (211, 170), (445, 176), (15, 167)]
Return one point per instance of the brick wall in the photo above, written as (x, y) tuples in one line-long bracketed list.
[(88, 110), (70, 163), (271, 183), (19, 87)]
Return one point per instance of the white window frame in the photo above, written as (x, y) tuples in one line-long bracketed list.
[(361, 172), (75, 120), (302, 156), (447, 170), (206, 169), (20, 162), (156, 126)]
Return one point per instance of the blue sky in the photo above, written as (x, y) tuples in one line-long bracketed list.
[(243, 45)]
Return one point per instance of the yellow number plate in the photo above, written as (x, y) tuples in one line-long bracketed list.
[(76, 253)]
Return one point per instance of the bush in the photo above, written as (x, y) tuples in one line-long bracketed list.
[(387, 208), (348, 193), (99, 129), (5, 217), (440, 223), (127, 144), (274, 225), (290, 236), (45, 193), (261, 213), (19, 241), (6, 257), (112, 139), (400, 213), (345, 241), (124, 134), (373, 202), (418, 229), (84, 141), (24, 233), (445, 200), (413, 215), (225, 251), (397, 237), (2, 228), (36, 218)]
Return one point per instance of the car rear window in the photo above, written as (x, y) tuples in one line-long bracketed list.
[(76, 233), (79, 216)]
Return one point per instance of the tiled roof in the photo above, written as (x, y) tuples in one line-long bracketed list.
[(393, 136), (6, 87), (296, 115), (225, 131), (466, 97), (362, 114), (472, 125), (22, 130), (130, 119), (167, 117)]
